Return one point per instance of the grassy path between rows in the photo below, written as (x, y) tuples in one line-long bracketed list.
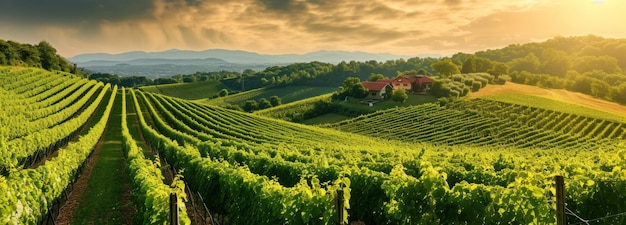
[(103, 195)]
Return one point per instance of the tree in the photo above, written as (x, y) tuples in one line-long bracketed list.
[(388, 92), (607, 64), (601, 89), (10, 53), (250, 105), (264, 103), (275, 100), (445, 67), (375, 76), (555, 62), (620, 93), (165, 80), (29, 55), (399, 95), (359, 91), (528, 63), (422, 71), (349, 82), (469, 66), (498, 69), (48, 56), (223, 93), (189, 79), (352, 87)]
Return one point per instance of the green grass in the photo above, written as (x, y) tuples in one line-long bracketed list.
[(100, 203), (293, 109), (356, 105), (326, 118), (287, 94), (559, 106), (190, 91)]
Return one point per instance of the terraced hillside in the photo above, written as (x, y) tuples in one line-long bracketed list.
[(256, 170)]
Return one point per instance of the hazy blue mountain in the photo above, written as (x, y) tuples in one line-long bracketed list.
[(155, 61), (172, 62)]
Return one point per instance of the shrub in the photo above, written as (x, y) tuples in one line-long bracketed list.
[(476, 85)]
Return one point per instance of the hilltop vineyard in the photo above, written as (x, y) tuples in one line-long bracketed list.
[(480, 122), (469, 162)]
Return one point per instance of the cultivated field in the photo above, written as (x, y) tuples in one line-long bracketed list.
[(475, 161)]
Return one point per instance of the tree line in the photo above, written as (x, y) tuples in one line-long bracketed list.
[(588, 64), (41, 55)]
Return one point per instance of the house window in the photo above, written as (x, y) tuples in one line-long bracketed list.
[(373, 93), (405, 84)]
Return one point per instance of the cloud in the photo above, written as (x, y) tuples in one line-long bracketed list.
[(289, 26), (72, 12)]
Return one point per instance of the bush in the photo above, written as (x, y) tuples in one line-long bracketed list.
[(443, 101), (468, 81), (476, 85), (502, 79), (465, 92), (457, 77), (223, 93), (482, 81), (454, 94)]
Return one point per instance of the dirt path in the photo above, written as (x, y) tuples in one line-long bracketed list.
[(194, 211), (555, 94), (101, 195)]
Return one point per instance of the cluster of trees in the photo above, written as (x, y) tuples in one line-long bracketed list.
[(132, 81), (460, 85), (326, 74), (589, 64), (41, 55), (351, 87), (263, 103)]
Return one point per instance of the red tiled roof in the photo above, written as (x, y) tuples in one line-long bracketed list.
[(424, 79), (413, 79), (374, 86)]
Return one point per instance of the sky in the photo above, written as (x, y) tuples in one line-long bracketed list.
[(405, 27)]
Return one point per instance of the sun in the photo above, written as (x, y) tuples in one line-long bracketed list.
[(598, 1)]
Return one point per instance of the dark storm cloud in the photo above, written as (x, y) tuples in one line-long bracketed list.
[(291, 6), (47, 12)]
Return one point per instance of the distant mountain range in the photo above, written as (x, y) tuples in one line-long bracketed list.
[(173, 62)]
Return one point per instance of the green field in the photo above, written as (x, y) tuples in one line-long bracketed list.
[(287, 94), (293, 110), (326, 118), (356, 105), (472, 161), (190, 91)]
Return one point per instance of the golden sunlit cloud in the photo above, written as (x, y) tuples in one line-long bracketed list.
[(298, 26)]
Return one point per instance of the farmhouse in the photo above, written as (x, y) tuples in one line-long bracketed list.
[(378, 89), (413, 83)]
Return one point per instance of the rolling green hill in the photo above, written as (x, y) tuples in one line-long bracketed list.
[(472, 161), (191, 91), (459, 169), (287, 94)]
